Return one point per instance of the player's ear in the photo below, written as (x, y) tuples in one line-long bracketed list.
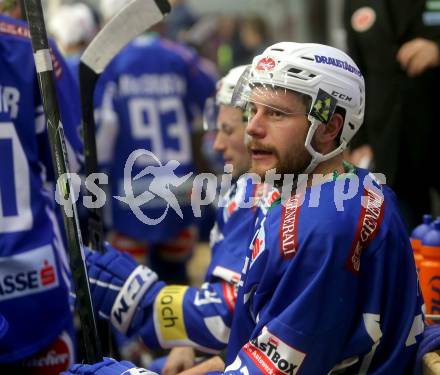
[(327, 134)]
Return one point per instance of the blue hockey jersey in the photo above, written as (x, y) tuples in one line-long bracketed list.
[(147, 99), (328, 289), (326, 286), (235, 224), (180, 315), (207, 312), (34, 271)]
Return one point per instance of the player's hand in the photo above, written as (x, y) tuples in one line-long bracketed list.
[(418, 55), (117, 285), (108, 366), (212, 365), (179, 359)]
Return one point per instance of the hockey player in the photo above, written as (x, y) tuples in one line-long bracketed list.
[(73, 27), (151, 93), (233, 221), (329, 282), (34, 271)]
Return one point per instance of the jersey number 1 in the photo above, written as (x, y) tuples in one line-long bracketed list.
[(15, 197)]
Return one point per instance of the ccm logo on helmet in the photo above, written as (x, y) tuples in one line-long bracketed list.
[(338, 63), (28, 273), (341, 96)]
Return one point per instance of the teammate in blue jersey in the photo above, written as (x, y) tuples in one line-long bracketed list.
[(73, 26), (329, 283), (150, 95), (233, 220), (34, 271)]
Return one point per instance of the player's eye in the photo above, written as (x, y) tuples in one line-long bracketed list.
[(251, 111), (275, 114), (226, 128)]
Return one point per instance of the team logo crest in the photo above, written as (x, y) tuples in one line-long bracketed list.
[(363, 19), (266, 63)]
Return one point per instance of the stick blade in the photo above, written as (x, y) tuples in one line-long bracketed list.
[(132, 20)]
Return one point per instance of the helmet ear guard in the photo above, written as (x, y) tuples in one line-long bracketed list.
[(321, 112)]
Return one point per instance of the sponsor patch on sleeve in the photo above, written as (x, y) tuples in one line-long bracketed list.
[(168, 315), (369, 222), (258, 245), (230, 295), (272, 355), (289, 227)]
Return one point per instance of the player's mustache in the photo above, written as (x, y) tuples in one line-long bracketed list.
[(256, 145)]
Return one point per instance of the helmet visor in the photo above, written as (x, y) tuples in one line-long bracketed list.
[(277, 101), (210, 115)]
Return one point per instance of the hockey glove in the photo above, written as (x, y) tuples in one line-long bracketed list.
[(108, 366), (117, 285)]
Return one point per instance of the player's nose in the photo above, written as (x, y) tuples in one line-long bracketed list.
[(256, 126), (220, 142)]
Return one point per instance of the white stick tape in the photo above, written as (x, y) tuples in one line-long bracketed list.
[(43, 61)]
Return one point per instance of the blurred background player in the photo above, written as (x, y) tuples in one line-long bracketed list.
[(396, 45), (34, 270), (152, 92), (180, 19), (73, 26), (228, 236), (208, 311)]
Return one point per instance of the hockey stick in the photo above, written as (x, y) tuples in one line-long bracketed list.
[(43, 64), (135, 18)]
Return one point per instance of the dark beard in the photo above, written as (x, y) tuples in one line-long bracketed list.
[(294, 162)]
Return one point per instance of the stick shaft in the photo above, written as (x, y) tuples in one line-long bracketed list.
[(34, 15)]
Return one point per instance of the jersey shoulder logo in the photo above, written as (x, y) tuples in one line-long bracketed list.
[(370, 218), (289, 227)]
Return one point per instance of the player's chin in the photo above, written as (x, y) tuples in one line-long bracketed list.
[(261, 167)]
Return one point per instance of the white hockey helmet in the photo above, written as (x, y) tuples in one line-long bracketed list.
[(223, 96), (72, 24), (108, 8), (326, 74), (226, 85)]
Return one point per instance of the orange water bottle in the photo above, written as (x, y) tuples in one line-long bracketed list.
[(430, 270), (416, 239)]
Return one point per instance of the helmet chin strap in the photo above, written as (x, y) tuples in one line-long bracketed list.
[(318, 158)]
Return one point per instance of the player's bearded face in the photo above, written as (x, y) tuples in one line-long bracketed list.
[(278, 128)]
